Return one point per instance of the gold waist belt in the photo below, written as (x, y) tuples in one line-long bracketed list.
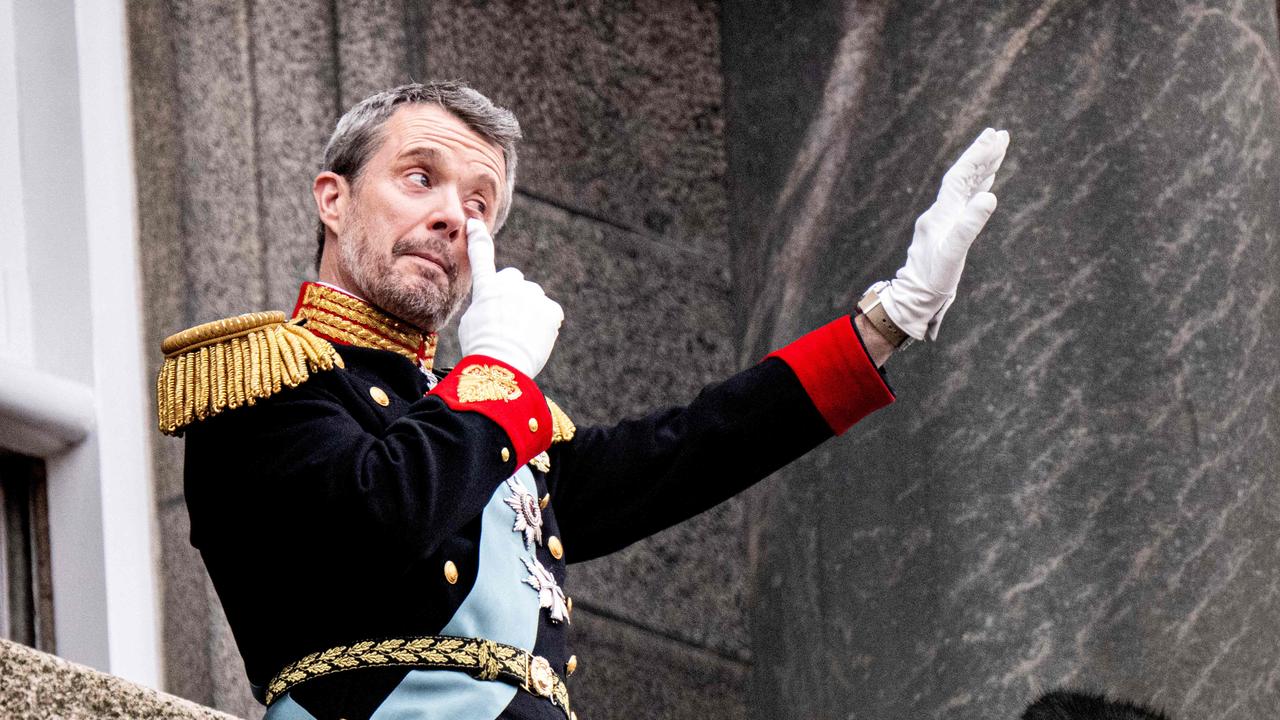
[(482, 659)]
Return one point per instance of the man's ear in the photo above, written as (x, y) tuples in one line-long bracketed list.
[(332, 194)]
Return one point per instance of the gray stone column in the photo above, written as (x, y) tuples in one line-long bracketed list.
[(1077, 484)]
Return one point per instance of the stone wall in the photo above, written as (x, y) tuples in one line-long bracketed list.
[(1077, 484), (37, 685), (619, 213)]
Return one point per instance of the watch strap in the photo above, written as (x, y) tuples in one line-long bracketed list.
[(873, 309)]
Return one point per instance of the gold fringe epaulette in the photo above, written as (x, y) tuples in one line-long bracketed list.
[(562, 428), (228, 363)]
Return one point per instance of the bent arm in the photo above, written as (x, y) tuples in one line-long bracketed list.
[(306, 457)]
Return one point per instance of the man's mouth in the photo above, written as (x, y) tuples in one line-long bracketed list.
[(431, 259)]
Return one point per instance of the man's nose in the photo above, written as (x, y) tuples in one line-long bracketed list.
[(447, 217)]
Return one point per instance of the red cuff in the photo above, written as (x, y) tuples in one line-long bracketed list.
[(834, 370), (504, 395)]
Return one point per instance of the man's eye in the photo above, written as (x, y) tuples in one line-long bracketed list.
[(477, 205), (420, 179)]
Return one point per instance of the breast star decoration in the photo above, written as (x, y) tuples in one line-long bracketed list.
[(528, 514), (550, 596)]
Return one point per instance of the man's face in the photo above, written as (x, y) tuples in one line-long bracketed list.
[(402, 240)]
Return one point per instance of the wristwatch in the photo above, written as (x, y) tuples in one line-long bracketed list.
[(871, 307)]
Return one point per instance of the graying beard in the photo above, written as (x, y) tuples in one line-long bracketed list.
[(428, 310)]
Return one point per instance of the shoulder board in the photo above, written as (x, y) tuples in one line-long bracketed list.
[(562, 428), (237, 361)]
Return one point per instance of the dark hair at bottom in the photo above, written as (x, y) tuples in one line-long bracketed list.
[(1077, 705)]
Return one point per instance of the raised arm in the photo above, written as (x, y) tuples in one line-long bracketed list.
[(615, 485)]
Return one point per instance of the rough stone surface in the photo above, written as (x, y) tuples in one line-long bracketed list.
[(230, 686), (36, 685), (153, 87), (185, 608), (1077, 483), (620, 104), (373, 48), (218, 173), (646, 326), (156, 133), (634, 674), (648, 321), (166, 452), (295, 106)]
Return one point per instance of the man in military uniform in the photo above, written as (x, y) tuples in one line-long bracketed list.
[(390, 540)]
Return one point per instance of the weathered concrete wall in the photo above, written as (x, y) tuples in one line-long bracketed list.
[(1077, 484), (619, 214), (37, 685)]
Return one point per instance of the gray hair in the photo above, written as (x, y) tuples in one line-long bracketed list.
[(360, 131)]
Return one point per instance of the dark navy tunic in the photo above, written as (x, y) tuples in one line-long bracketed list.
[(325, 517)]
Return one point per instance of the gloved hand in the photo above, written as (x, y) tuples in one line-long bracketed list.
[(923, 289), (510, 319)]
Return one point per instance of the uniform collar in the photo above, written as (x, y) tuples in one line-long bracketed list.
[(341, 317)]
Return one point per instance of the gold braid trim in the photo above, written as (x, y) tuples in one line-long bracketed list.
[(482, 659), (350, 308), (344, 330), (562, 428), (229, 363), (355, 322)]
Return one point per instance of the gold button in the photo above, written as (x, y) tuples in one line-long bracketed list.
[(506, 454), (545, 501), (533, 424), (571, 665), (557, 550), (450, 572), (379, 396)]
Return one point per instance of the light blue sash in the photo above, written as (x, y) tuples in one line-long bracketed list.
[(500, 607)]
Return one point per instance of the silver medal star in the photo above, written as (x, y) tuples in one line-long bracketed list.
[(550, 596), (528, 514)]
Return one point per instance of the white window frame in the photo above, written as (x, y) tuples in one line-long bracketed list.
[(72, 385)]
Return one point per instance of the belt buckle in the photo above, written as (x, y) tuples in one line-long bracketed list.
[(540, 679)]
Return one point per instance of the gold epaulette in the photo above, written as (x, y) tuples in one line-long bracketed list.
[(228, 363), (562, 428)]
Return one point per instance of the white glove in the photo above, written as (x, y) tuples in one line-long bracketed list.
[(919, 295), (509, 319)]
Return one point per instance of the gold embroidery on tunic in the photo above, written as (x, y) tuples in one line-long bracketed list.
[(485, 659), (541, 461), (562, 428), (486, 383)]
